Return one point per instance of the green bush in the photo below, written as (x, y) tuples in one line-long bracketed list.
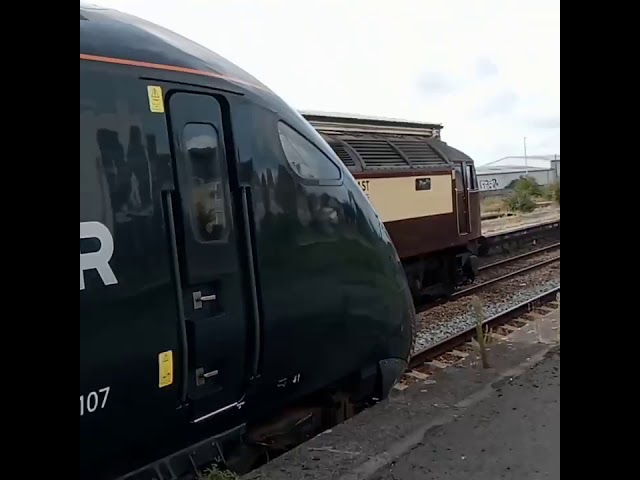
[(547, 193), (555, 191), (528, 186), (521, 201)]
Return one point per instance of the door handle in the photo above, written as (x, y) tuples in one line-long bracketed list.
[(201, 376), (198, 298)]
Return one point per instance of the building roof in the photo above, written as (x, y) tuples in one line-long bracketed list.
[(489, 170), (356, 117), (518, 163), (328, 122)]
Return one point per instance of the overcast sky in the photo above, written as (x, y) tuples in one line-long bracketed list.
[(489, 70)]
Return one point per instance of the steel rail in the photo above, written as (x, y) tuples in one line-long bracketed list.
[(480, 286), (448, 344), (519, 257)]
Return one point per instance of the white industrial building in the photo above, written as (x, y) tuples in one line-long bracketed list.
[(499, 176)]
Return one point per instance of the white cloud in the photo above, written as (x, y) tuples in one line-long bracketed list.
[(489, 70)]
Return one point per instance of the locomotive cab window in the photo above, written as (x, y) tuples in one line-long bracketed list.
[(207, 190), (306, 159), (472, 181), (459, 180)]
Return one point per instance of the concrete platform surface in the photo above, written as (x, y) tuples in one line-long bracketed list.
[(463, 422), (513, 434), (502, 225)]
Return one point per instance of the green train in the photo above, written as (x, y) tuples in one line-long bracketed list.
[(236, 285)]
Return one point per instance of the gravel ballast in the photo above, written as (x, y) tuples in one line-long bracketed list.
[(491, 272), (444, 321)]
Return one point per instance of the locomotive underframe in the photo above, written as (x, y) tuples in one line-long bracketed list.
[(438, 273), (251, 444)]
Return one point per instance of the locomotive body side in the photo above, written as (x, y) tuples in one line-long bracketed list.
[(423, 189), (230, 266), (417, 209)]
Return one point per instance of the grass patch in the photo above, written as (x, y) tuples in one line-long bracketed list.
[(213, 473), (552, 192), (493, 205)]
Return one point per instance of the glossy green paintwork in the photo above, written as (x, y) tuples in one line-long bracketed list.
[(332, 295)]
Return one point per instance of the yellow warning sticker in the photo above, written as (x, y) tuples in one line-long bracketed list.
[(165, 364), (156, 103)]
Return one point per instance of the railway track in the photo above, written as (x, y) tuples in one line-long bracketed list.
[(431, 352), (520, 256), (513, 266), (522, 264), (518, 271), (506, 284)]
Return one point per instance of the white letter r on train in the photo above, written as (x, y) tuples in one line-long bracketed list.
[(98, 260)]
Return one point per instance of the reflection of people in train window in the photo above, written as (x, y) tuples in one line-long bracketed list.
[(206, 181), (140, 196), (117, 170), (209, 208)]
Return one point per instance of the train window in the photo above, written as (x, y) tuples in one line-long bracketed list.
[(305, 158), (472, 181), (459, 181), (207, 189), (423, 184)]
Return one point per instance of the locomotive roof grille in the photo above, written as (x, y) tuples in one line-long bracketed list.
[(389, 152), (419, 153), (377, 153), (376, 143), (341, 151)]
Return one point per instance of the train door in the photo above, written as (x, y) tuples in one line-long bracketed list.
[(208, 256), (462, 200), (473, 198), (470, 177)]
